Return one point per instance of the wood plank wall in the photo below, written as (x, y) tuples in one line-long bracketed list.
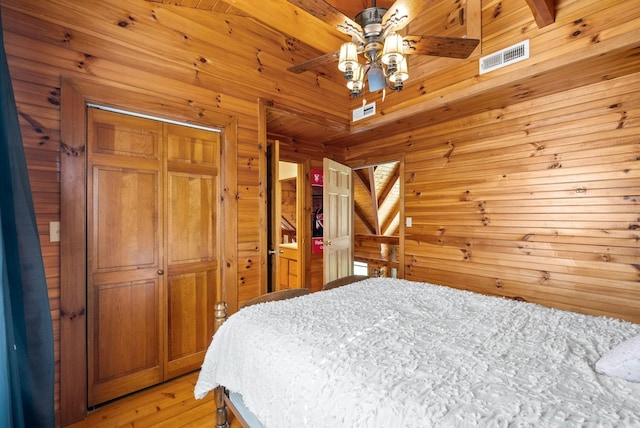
[(573, 246), (566, 54), (158, 60), (539, 200), (533, 197)]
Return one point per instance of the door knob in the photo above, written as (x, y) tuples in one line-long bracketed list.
[(272, 252), (160, 272), (328, 243)]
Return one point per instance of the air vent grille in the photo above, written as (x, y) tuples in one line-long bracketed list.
[(364, 111), (506, 56)]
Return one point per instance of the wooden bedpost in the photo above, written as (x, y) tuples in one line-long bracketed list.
[(221, 409), (220, 314)]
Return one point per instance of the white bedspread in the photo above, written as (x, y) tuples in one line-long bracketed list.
[(394, 353)]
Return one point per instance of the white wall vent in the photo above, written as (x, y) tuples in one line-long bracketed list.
[(506, 56), (364, 111)]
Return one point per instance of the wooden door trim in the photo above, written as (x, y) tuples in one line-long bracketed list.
[(75, 95), (73, 297)]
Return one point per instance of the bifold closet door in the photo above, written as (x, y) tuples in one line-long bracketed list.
[(125, 277), (152, 244), (192, 262)]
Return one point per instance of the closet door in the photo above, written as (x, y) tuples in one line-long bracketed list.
[(191, 216), (152, 246), (125, 250)]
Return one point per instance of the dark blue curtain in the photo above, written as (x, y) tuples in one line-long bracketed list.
[(26, 331)]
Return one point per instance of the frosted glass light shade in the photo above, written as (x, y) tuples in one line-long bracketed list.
[(402, 73), (357, 83), (348, 56), (393, 49)]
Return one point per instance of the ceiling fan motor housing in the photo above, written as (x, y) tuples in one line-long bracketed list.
[(370, 20)]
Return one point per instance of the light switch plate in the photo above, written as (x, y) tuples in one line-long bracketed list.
[(408, 221), (54, 231)]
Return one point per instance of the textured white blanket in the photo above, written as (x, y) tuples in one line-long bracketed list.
[(395, 353)]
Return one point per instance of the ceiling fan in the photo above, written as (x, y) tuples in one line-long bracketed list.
[(374, 36)]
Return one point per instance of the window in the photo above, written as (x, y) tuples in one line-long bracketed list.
[(360, 268)]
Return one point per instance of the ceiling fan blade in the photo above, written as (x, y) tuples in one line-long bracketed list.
[(403, 11), (315, 62), (450, 47), (325, 12)]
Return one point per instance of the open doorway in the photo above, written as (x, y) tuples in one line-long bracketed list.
[(377, 209), (288, 232), (289, 259)]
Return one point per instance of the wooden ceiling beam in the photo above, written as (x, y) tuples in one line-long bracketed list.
[(374, 200), (322, 119), (293, 21), (362, 216), (362, 176), (544, 11), (395, 211), (363, 179), (391, 181)]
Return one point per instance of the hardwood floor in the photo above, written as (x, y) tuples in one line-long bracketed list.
[(170, 405)]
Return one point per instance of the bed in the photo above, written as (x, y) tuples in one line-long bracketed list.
[(394, 353)]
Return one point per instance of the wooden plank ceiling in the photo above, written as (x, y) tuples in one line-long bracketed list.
[(286, 17)]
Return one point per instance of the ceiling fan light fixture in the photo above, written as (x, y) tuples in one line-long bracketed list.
[(392, 54), (356, 84), (383, 51), (348, 60), (399, 76), (374, 35)]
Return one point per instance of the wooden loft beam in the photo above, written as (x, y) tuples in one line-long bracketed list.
[(362, 216), (544, 11), (290, 19), (362, 176), (374, 200), (366, 178), (393, 213), (391, 181)]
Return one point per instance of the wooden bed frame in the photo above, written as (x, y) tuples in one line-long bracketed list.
[(223, 402), (221, 395)]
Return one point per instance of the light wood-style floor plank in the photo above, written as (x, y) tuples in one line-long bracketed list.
[(169, 405)]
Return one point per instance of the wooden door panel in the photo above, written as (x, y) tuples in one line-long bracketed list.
[(129, 239), (283, 272), (190, 319), (338, 221), (126, 327), (192, 189), (122, 135), (124, 282), (191, 218), (125, 345), (192, 147)]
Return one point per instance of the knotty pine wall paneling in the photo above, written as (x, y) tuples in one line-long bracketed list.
[(538, 201), (146, 58), (588, 40), (570, 158)]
